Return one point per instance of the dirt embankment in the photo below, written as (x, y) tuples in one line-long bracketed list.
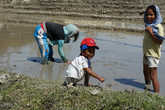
[(110, 15)]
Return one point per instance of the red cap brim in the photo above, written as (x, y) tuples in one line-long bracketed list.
[(96, 47)]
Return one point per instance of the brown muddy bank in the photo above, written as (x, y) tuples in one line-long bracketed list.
[(96, 14)]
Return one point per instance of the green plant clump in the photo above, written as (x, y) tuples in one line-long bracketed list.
[(23, 93)]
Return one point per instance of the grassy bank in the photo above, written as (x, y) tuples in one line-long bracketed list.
[(19, 92)]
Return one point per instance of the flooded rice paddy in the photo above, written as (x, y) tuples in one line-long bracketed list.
[(119, 59)]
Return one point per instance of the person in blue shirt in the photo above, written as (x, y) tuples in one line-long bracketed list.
[(48, 34)]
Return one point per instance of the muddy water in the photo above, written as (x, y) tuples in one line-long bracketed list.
[(119, 58)]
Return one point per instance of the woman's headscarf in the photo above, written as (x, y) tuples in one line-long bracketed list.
[(71, 30)]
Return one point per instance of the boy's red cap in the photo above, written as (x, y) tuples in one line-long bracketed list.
[(90, 42)]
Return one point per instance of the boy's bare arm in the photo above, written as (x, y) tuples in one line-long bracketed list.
[(149, 29), (90, 72)]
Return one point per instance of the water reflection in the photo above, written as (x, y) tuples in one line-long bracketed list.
[(46, 72)]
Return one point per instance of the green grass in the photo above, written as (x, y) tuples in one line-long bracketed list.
[(25, 93)]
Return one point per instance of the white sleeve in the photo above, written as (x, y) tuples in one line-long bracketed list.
[(85, 63)]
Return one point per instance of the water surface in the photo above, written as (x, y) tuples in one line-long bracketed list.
[(119, 59)]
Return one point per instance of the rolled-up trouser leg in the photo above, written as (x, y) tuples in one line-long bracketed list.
[(41, 39), (50, 51)]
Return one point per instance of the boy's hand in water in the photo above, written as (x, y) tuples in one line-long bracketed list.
[(101, 79)]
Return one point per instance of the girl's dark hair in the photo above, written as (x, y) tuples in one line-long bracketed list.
[(152, 7)]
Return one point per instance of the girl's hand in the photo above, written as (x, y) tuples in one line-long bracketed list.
[(68, 62), (149, 29)]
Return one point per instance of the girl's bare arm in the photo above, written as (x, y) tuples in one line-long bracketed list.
[(149, 29)]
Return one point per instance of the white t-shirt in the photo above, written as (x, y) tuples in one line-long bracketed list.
[(75, 69)]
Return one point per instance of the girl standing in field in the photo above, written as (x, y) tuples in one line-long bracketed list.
[(153, 39)]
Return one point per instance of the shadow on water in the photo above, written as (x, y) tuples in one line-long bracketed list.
[(38, 60), (34, 59), (130, 82), (57, 60)]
